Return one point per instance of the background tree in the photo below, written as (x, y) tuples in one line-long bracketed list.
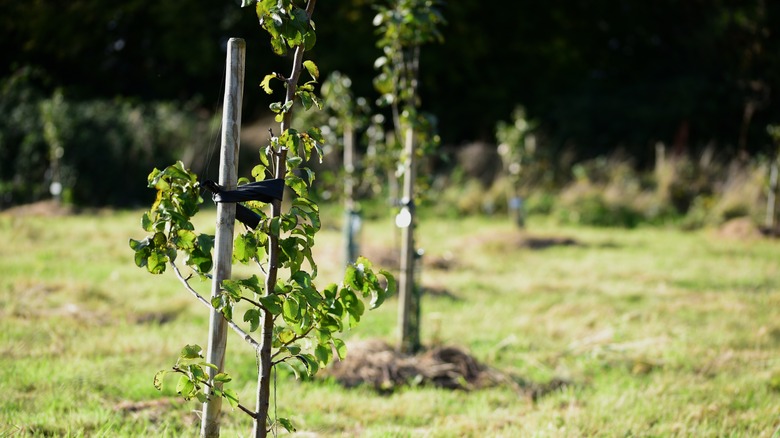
[(404, 26)]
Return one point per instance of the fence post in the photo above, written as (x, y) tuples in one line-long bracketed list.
[(226, 217)]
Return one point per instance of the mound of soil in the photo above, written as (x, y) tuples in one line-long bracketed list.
[(42, 208), (740, 228), (379, 365)]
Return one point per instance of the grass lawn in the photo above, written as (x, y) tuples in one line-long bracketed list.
[(657, 332)]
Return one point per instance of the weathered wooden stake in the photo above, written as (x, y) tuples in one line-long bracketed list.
[(408, 305), (351, 216), (769, 221), (226, 217)]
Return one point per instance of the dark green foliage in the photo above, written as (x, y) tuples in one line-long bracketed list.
[(98, 150)]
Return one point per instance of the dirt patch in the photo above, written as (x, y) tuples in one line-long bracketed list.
[(439, 292), (743, 228), (155, 411), (378, 365), (387, 258), (522, 240), (42, 208)]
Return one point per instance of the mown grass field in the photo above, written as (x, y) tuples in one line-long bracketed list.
[(658, 332)]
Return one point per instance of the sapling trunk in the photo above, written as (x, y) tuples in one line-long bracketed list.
[(264, 353), (280, 170)]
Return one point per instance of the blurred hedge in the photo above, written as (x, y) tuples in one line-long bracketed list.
[(100, 151)]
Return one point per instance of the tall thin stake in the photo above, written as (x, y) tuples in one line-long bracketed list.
[(351, 216), (226, 215), (409, 329), (769, 221)]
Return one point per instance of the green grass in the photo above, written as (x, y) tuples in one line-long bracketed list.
[(658, 332)]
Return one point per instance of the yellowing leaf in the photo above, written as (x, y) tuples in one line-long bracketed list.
[(312, 68)]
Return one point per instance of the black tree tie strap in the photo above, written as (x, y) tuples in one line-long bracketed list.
[(263, 191)]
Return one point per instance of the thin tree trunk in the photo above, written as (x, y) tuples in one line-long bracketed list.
[(264, 354), (226, 217)]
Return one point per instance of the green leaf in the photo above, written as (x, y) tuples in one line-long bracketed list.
[(185, 239), (378, 296), (191, 351), (291, 310), (312, 297), (244, 248), (330, 292), (353, 305), (341, 348), (222, 377), (309, 40), (158, 379), (252, 316), (252, 283), (311, 67), (146, 222), (286, 424), (353, 277), (286, 336), (323, 353), (208, 365), (274, 225), (156, 261), (306, 99), (297, 184), (185, 387), (309, 362), (232, 288), (231, 397), (271, 303), (197, 372)]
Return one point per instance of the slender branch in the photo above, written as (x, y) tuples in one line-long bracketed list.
[(255, 303), (246, 336)]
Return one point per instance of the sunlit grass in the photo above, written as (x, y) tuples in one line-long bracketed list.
[(657, 332)]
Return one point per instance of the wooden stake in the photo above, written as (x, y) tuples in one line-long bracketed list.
[(351, 217), (409, 329), (226, 218)]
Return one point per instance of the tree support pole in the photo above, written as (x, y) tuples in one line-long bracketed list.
[(351, 216), (226, 216), (409, 328)]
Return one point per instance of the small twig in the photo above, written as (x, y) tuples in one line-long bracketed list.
[(246, 336), (255, 303)]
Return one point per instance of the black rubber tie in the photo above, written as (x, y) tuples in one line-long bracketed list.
[(263, 191)]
